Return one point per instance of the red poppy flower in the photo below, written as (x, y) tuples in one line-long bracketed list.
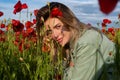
[(56, 12), (106, 21), (24, 6), (28, 24), (104, 25), (30, 30), (17, 33), (17, 26), (2, 26), (35, 12), (34, 21), (1, 13), (118, 16), (110, 29), (107, 6), (15, 22), (103, 30), (24, 34), (18, 7), (20, 27), (7, 27)]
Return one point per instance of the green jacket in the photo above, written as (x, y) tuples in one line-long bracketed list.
[(92, 56)]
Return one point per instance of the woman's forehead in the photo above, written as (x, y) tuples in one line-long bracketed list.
[(51, 22)]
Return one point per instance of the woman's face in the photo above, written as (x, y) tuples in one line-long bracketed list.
[(59, 34)]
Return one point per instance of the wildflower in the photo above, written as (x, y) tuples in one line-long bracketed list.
[(30, 31), (56, 12), (110, 29), (107, 6), (1, 13), (103, 30), (104, 25), (2, 26), (28, 24), (35, 12), (34, 21), (18, 7), (17, 26), (17, 33), (24, 6), (106, 21), (118, 16), (24, 34)]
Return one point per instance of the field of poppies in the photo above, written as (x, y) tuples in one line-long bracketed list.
[(25, 56)]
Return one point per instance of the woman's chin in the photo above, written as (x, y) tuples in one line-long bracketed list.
[(62, 44)]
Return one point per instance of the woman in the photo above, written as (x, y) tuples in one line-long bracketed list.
[(89, 53)]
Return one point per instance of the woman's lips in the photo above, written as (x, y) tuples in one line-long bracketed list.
[(59, 40)]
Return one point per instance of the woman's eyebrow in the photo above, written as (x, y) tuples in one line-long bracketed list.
[(56, 25)]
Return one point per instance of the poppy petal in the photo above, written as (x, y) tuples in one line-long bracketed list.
[(24, 6), (35, 12), (17, 7), (107, 6), (1, 13)]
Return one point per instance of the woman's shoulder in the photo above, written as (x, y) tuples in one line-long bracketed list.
[(90, 37), (94, 38)]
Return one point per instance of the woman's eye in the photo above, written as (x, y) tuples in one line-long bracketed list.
[(58, 27)]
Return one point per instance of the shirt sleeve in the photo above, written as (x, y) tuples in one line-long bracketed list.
[(84, 62)]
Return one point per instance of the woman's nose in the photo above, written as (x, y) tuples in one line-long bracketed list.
[(55, 34)]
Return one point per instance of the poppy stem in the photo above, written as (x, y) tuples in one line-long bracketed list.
[(27, 14), (20, 16), (30, 16)]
